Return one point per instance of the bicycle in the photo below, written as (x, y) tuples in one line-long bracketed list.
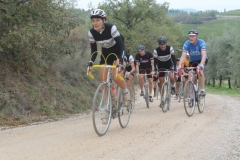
[(165, 92), (107, 107), (191, 95)]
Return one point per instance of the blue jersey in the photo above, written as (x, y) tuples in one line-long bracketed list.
[(194, 50)]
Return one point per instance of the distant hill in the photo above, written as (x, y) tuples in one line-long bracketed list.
[(189, 10)]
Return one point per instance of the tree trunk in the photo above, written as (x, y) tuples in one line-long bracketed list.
[(235, 84), (229, 83), (220, 81), (209, 82), (213, 81)]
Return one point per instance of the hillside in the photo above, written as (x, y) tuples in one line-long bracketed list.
[(212, 28)]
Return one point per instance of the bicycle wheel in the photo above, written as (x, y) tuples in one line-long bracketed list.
[(189, 98), (124, 112), (133, 98), (146, 96), (165, 99), (102, 109), (157, 90), (180, 91), (201, 103)]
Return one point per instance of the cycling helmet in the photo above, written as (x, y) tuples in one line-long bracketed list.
[(178, 59), (141, 47), (193, 32), (98, 13), (162, 40)]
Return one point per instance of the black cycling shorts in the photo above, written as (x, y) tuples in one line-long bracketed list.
[(148, 71)]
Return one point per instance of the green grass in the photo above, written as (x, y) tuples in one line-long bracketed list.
[(206, 30), (224, 90), (231, 13)]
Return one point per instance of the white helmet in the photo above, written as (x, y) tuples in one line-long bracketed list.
[(98, 13), (187, 54)]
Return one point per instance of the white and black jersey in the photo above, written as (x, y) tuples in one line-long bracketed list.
[(128, 59), (164, 59), (111, 42)]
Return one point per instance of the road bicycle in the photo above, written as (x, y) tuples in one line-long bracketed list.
[(191, 95), (165, 100), (108, 103)]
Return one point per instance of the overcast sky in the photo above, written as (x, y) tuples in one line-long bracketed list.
[(202, 5)]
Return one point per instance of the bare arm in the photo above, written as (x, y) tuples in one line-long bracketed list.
[(204, 55)]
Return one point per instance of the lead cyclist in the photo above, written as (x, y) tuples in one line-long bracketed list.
[(107, 36)]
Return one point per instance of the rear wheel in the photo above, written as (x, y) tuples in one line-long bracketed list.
[(165, 97), (102, 109), (124, 112), (180, 91), (189, 98)]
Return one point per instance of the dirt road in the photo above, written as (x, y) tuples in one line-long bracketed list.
[(151, 134)]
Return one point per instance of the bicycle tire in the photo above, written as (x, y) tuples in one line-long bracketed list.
[(201, 103), (180, 91), (164, 102), (124, 112), (102, 111), (189, 98), (146, 95)]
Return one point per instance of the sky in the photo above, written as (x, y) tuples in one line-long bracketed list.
[(200, 5)]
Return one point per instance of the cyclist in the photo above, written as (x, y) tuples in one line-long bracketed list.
[(130, 68), (144, 64), (164, 58), (197, 54), (107, 36)]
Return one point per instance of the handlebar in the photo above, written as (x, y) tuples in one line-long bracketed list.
[(90, 75)]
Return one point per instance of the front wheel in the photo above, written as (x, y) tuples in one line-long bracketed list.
[(189, 98), (124, 112), (102, 109), (146, 95), (201, 103), (165, 97)]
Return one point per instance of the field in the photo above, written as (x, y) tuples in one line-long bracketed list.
[(213, 28), (231, 13)]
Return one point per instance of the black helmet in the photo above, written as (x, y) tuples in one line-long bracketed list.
[(193, 32), (141, 47), (162, 40)]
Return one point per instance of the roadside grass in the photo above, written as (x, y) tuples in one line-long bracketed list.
[(224, 90)]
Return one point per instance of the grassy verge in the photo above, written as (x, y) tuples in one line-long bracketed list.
[(224, 90)]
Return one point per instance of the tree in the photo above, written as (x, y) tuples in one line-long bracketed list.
[(35, 33), (141, 22)]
